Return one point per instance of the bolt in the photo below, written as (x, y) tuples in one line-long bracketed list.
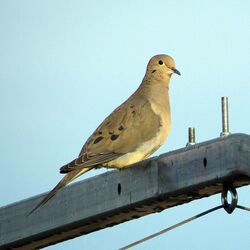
[(225, 120), (191, 136)]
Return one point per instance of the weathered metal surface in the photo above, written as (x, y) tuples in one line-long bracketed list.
[(169, 180)]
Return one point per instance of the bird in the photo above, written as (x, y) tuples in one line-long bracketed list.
[(132, 132)]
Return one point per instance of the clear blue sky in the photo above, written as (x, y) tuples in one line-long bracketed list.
[(65, 65)]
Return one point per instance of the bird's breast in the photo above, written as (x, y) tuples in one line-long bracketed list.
[(145, 149), (142, 152)]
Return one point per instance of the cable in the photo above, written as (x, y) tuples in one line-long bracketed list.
[(171, 227), (243, 208), (229, 208)]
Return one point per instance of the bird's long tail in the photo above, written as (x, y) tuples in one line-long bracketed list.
[(65, 180)]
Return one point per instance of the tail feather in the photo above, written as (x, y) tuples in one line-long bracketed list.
[(65, 180)]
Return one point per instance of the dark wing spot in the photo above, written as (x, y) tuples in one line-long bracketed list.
[(114, 137), (153, 71), (121, 128), (132, 106), (100, 132), (98, 139), (133, 112)]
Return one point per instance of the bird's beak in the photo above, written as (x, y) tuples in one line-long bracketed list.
[(176, 71)]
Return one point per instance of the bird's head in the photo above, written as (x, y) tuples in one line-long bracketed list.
[(162, 65)]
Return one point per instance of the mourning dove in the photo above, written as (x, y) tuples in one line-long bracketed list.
[(132, 132)]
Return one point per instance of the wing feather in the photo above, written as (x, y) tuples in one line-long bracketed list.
[(79, 162), (126, 128)]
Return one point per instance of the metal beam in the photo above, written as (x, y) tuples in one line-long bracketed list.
[(114, 197)]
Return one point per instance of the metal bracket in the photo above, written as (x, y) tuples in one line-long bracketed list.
[(229, 207)]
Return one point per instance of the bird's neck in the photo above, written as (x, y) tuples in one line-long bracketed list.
[(154, 88), (157, 92)]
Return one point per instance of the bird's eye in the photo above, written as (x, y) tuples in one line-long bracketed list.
[(160, 62)]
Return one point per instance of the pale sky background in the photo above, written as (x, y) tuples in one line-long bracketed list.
[(65, 65)]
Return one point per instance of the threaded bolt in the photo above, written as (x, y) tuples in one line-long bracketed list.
[(225, 119), (191, 136)]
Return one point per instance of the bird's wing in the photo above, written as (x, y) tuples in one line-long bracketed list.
[(127, 127), (130, 125)]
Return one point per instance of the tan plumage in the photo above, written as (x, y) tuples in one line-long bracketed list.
[(132, 132)]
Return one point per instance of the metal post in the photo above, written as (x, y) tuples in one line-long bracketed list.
[(191, 136), (225, 120)]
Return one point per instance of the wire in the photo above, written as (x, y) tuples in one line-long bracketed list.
[(171, 227), (243, 208), (229, 208)]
